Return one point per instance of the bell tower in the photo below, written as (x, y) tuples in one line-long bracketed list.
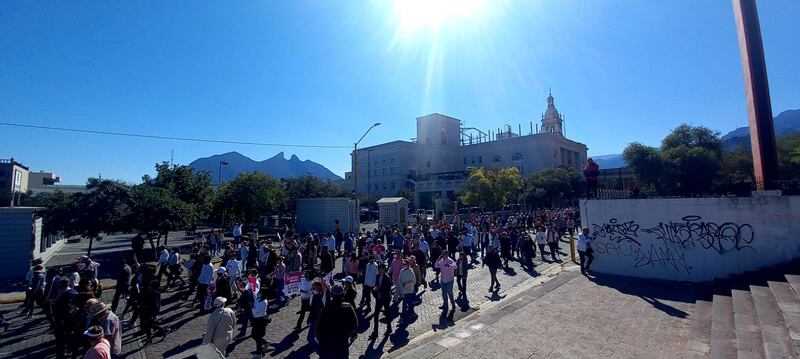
[(552, 121)]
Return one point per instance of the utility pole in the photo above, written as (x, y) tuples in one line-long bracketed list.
[(756, 88), (355, 163)]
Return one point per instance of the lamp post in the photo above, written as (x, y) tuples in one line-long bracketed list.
[(219, 173), (355, 162)]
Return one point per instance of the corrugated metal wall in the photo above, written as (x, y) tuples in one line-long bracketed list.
[(16, 243), (319, 214)]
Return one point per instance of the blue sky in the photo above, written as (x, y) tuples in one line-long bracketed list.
[(320, 72)]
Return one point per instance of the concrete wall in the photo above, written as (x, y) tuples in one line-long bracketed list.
[(319, 214), (692, 239)]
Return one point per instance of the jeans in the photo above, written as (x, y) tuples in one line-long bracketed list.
[(366, 295), (553, 250), (447, 292), (494, 281), (583, 257), (462, 283), (541, 250)]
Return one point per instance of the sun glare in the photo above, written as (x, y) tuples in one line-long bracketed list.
[(414, 16)]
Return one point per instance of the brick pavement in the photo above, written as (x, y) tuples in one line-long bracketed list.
[(572, 316), (33, 337)]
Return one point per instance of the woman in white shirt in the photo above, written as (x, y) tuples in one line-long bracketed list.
[(305, 298), (585, 250), (260, 321)]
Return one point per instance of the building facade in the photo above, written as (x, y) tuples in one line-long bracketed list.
[(13, 181), (435, 164)]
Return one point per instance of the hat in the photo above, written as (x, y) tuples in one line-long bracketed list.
[(220, 301), (337, 290), (348, 279), (94, 331), (98, 309), (221, 270), (83, 257)]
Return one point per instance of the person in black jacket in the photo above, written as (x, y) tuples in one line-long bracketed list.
[(149, 308), (64, 312), (336, 325), (492, 260), (326, 262), (383, 297), (123, 283), (36, 289)]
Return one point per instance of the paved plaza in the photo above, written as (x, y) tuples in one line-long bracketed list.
[(26, 337)]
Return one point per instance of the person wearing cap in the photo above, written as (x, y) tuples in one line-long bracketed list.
[(349, 290), (220, 327), (109, 321), (336, 326), (99, 346)]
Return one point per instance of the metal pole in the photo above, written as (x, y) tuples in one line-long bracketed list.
[(355, 174), (759, 108)]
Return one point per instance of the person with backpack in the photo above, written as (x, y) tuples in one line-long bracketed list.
[(336, 327)]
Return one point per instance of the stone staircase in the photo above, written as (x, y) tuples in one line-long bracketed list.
[(753, 315)]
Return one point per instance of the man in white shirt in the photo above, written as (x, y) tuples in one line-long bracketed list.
[(237, 233), (585, 250), (370, 274), (163, 262), (540, 240)]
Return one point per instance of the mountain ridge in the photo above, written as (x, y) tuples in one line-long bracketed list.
[(276, 166)]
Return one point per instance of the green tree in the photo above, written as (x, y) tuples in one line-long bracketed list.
[(192, 190), (59, 213), (248, 197), (310, 187), (103, 208), (687, 163), (491, 188), (158, 210), (544, 186), (789, 153)]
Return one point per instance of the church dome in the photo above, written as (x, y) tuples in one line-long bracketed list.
[(551, 113)]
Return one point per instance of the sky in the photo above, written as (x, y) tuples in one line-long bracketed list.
[(321, 72)]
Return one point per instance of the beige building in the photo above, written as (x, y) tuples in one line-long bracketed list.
[(434, 164)]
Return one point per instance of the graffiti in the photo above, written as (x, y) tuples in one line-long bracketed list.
[(692, 232), (669, 242), (617, 232)]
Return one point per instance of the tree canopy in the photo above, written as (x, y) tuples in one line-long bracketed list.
[(487, 188)]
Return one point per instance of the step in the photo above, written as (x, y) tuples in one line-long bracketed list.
[(794, 282), (748, 334), (723, 333), (699, 344), (773, 327), (789, 304)]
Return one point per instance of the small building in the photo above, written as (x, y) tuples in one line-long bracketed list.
[(21, 240), (392, 211), (321, 214), (13, 181)]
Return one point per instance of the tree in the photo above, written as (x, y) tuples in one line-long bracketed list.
[(789, 153), (180, 196), (686, 164), (310, 187), (103, 208), (491, 188), (248, 197), (736, 173), (407, 194), (60, 208), (552, 183)]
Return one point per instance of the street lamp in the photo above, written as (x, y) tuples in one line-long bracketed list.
[(355, 162), (219, 173)]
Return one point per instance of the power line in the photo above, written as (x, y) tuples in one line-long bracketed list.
[(190, 139)]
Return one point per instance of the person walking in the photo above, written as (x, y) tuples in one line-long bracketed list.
[(406, 284), (112, 331), (149, 308), (123, 283), (64, 312), (349, 291), (462, 268), (552, 242), (163, 262), (585, 251), (260, 322), (35, 289), (370, 275), (492, 260), (203, 281), (336, 326), (541, 240), (220, 326), (305, 299), (175, 267), (383, 296), (99, 346), (447, 266)]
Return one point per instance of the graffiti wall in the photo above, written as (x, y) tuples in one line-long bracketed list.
[(692, 239)]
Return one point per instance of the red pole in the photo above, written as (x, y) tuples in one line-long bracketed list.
[(759, 108)]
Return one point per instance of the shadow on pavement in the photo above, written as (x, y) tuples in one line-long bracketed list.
[(651, 291)]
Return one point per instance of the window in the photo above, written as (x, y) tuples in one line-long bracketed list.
[(465, 161), (516, 157), (443, 137), (384, 162), (391, 160), (428, 164), (376, 186), (391, 170), (384, 185), (497, 159), (480, 159), (392, 185), (383, 171)]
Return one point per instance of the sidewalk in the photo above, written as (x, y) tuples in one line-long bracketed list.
[(571, 316)]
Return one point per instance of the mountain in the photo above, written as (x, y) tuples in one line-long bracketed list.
[(610, 161), (277, 166), (786, 123)]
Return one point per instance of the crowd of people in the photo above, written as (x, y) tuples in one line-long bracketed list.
[(241, 279)]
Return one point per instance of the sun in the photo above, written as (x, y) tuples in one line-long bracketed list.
[(432, 16)]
